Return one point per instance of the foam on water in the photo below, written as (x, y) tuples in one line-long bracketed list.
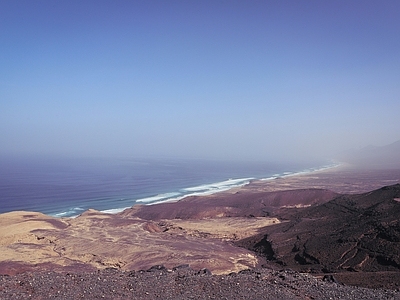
[(66, 188), (69, 213), (305, 171), (219, 185), (205, 189), (200, 190), (114, 210), (158, 197)]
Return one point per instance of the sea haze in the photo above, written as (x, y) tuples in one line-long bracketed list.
[(67, 187)]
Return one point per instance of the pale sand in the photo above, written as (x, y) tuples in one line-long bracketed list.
[(102, 240), (228, 229)]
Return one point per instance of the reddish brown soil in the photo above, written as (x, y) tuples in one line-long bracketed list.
[(238, 204), (339, 225)]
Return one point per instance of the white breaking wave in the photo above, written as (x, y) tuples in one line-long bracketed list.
[(114, 210), (270, 178), (208, 189), (219, 185), (200, 190), (70, 213), (158, 197), (306, 171)]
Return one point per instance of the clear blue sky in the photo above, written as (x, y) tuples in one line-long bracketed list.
[(258, 80)]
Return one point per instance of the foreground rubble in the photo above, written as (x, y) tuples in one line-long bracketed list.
[(181, 283)]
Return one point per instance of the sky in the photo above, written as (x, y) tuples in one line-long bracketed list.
[(250, 80)]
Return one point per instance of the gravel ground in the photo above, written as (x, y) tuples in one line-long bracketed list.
[(180, 283)]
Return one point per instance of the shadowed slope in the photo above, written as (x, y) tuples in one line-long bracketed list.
[(353, 233)]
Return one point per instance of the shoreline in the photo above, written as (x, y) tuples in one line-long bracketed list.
[(338, 177), (343, 179), (226, 186), (214, 232), (60, 189)]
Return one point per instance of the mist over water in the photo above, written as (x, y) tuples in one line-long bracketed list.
[(176, 94), (67, 187)]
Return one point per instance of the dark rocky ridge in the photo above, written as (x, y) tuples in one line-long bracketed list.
[(351, 233)]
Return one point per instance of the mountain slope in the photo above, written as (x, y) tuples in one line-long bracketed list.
[(349, 233)]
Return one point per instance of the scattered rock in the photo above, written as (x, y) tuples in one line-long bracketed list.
[(185, 284)]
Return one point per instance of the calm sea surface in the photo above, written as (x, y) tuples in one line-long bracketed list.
[(68, 187)]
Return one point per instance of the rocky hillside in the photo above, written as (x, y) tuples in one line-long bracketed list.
[(351, 233)]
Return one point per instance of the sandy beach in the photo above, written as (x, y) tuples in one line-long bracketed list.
[(202, 232), (344, 179)]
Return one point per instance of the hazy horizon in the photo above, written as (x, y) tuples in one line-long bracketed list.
[(232, 80)]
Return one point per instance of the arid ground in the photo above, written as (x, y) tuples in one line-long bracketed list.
[(338, 224)]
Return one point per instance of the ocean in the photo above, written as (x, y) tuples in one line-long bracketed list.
[(68, 187)]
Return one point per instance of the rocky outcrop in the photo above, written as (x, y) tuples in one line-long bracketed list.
[(349, 233)]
